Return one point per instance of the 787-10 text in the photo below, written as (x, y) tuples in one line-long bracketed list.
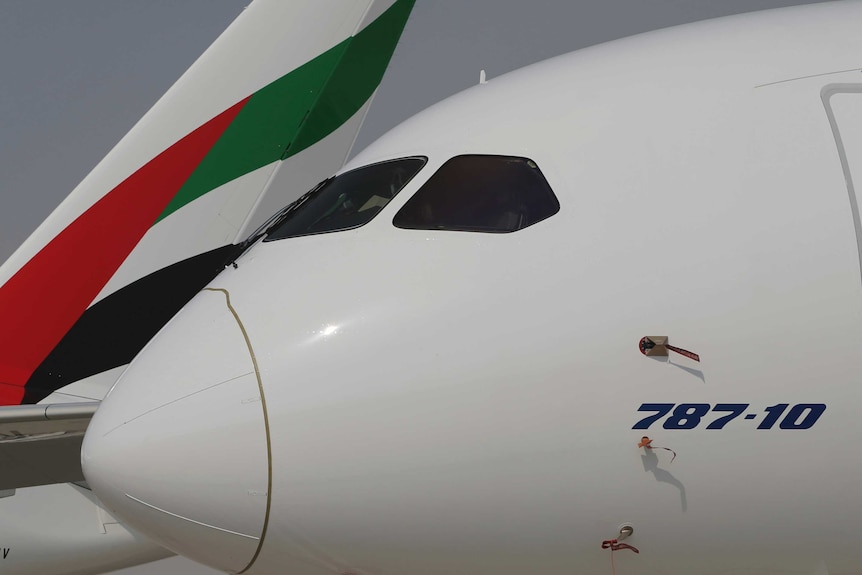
[(691, 415)]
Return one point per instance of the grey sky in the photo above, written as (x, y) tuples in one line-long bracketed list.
[(76, 75)]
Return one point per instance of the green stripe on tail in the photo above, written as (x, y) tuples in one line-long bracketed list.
[(300, 108)]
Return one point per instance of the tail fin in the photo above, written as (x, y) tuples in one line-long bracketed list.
[(285, 87)]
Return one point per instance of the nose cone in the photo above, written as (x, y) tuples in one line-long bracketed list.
[(178, 449)]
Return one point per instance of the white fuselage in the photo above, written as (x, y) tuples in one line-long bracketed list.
[(459, 402)]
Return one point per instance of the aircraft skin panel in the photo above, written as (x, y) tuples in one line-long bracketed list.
[(279, 120), (462, 402), (61, 529), (238, 499)]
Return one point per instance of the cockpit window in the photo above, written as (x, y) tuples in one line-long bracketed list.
[(344, 202), (497, 194)]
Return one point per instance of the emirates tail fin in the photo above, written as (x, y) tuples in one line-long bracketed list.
[(272, 107)]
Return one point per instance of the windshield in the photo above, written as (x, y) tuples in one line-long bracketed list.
[(480, 193), (346, 201)]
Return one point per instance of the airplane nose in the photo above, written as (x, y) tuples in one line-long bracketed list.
[(178, 449)]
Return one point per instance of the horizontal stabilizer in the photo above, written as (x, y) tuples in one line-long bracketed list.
[(41, 444)]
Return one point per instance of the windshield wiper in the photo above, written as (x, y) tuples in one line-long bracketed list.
[(273, 222)]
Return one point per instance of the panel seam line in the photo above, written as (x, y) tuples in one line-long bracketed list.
[(201, 523), (265, 423)]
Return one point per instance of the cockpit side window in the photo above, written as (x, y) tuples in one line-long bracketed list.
[(347, 201), (475, 193)]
